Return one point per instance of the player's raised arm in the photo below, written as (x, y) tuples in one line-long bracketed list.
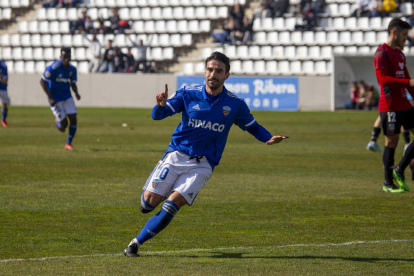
[(276, 139), (162, 97)]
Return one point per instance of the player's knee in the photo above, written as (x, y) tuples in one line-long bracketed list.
[(73, 119), (64, 123), (145, 206), (144, 211)]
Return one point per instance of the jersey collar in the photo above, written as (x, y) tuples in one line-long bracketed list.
[(221, 95)]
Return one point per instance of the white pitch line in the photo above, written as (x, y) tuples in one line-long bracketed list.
[(211, 249)]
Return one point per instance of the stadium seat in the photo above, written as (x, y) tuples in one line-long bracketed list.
[(5, 40), (308, 37), (185, 3), (296, 37), (35, 40), (112, 3), (51, 14), (325, 22), (259, 67), (236, 66), (302, 52), (135, 14), (14, 3), (188, 68), (77, 40), (290, 23), (56, 40), (175, 40), (260, 38), (200, 13), (211, 13), (156, 13), (283, 67), (33, 27), (326, 51), (186, 39), (17, 53), (375, 23), (266, 24), (132, 3), (6, 53), (338, 23), (61, 15), (222, 12), (278, 52), (124, 14), (168, 53), (103, 12), (145, 13), (182, 26), (406, 8), (370, 38), (272, 38), (100, 3), (160, 26), (6, 14), (295, 67), (67, 40), (24, 3), (171, 26), (46, 40), (48, 54), (345, 38), (174, 3), (193, 26), (338, 50), (149, 26), (72, 14), (40, 67), (205, 26), (308, 67), (357, 38), (284, 37), (242, 52), (178, 13), (29, 67), (164, 40), (163, 3), (19, 67), (332, 37), (83, 67), (199, 68), (351, 50), (290, 52), (366, 50), (41, 14), (314, 52), (271, 67), (363, 23), (320, 37), (38, 54), (196, 3), (138, 26), (189, 13), (320, 67), (230, 51), (15, 40), (44, 26), (167, 13), (266, 52), (80, 54), (382, 37), (332, 10), (254, 52), (247, 67), (351, 23), (279, 23), (344, 10)]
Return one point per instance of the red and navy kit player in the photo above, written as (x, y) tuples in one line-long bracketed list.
[(394, 108), (5, 100), (207, 114), (57, 80)]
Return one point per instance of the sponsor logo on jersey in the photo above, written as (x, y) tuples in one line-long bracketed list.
[(155, 182), (62, 80), (47, 74), (196, 107), (226, 110), (205, 124), (401, 65), (391, 127)]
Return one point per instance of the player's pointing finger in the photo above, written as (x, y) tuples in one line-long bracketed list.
[(166, 90)]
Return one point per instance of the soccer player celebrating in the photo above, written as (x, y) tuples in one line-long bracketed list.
[(56, 81), (394, 108), (208, 112), (3, 92)]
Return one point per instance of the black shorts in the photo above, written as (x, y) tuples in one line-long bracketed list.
[(393, 120)]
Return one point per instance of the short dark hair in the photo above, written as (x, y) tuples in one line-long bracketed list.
[(65, 50), (220, 57), (398, 24)]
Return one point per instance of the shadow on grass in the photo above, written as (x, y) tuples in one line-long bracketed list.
[(221, 255)]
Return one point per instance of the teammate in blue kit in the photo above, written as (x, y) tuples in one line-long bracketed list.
[(208, 112), (57, 80), (5, 100)]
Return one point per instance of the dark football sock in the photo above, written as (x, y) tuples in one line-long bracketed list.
[(375, 133), (406, 159), (388, 161), (406, 135)]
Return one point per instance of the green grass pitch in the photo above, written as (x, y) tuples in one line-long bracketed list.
[(312, 205)]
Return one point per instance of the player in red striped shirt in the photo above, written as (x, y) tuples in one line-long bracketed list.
[(394, 108)]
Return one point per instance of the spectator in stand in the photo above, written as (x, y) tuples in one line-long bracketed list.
[(142, 55), (362, 8), (89, 26), (262, 12), (279, 7), (50, 3), (309, 17), (95, 51), (114, 19), (223, 36), (77, 26), (118, 62), (101, 28), (130, 61), (319, 6), (388, 6), (106, 64), (68, 3), (375, 9), (354, 95), (237, 14), (242, 35), (302, 5)]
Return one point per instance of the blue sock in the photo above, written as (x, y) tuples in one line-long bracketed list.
[(3, 114), (158, 222), (72, 131)]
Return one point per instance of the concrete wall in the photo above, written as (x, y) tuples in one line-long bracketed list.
[(127, 90)]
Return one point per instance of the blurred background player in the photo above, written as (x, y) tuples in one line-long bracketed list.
[(57, 80), (394, 108), (5, 100), (196, 145)]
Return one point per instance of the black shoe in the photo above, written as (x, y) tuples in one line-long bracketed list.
[(131, 250), (412, 169)]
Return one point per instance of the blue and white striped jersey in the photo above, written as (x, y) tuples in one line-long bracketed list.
[(204, 125), (59, 79)]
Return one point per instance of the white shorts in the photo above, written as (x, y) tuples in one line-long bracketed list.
[(4, 97), (177, 172), (63, 108)]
